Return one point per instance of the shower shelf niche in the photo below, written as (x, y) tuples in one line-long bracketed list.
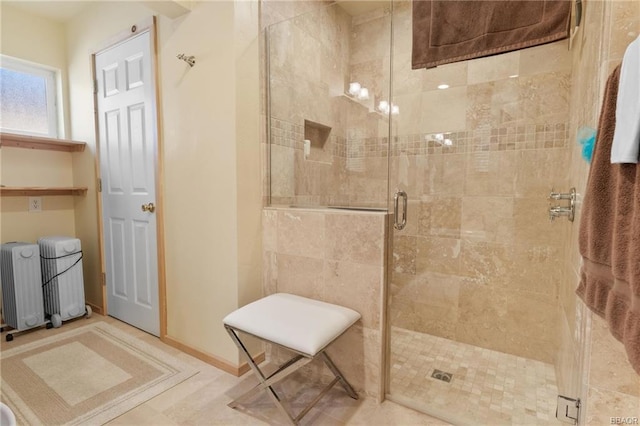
[(368, 105), (318, 136), (364, 103)]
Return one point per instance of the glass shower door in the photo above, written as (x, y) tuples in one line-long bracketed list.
[(477, 320)]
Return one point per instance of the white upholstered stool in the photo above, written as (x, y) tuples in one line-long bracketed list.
[(304, 326)]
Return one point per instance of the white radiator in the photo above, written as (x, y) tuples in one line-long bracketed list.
[(21, 285), (62, 280)]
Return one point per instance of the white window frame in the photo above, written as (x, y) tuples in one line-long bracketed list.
[(50, 76)]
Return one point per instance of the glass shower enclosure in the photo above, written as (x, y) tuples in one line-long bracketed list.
[(328, 143), (472, 149)]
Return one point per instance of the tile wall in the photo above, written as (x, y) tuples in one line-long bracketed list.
[(337, 257), (348, 247), (312, 60)]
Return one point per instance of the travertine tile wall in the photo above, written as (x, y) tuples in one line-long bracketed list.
[(611, 386), (273, 12), (337, 257), (351, 271), (306, 59), (479, 261), (313, 58), (484, 182)]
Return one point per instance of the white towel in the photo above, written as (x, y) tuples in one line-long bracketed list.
[(626, 139)]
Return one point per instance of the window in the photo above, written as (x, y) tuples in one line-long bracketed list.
[(27, 98)]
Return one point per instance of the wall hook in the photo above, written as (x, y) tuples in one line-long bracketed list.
[(191, 60)]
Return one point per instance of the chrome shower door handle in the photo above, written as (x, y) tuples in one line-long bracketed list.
[(399, 225)]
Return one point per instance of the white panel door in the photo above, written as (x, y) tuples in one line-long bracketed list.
[(128, 144)]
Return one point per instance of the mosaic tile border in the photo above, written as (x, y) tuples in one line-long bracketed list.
[(511, 138), (508, 138)]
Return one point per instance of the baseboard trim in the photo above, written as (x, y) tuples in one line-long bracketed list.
[(95, 308), (211, 359)]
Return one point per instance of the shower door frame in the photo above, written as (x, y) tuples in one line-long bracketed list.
[(579, 382)]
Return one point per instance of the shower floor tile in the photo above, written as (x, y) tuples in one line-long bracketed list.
[(487, 387)]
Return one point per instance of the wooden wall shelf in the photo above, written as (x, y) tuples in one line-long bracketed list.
[(34, 191), (36, 142)]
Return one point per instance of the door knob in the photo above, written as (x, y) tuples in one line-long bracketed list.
[(149, 208)]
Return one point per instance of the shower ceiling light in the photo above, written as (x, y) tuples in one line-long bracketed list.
[(443, 86)]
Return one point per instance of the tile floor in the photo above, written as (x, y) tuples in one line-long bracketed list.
[(203, 398), (487, 387)]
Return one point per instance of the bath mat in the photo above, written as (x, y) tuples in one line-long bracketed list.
[(88, 375)]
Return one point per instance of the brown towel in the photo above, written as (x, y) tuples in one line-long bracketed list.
[(610, 235), (447, 31)]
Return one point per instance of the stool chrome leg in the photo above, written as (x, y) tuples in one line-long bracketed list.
[(272, 393), (345, 384), (291, 366), (283, 371)]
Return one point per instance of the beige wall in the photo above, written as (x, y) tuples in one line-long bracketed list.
[(38, 40), (249, 158), (610, 385), (200, 172), (23, 167), (211, 157)]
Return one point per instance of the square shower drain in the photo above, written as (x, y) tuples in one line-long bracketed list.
[(442, 375)]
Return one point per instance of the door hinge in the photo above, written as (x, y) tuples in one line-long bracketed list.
[(104, 279), (95, 86), (99, 185), (568, 409)]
